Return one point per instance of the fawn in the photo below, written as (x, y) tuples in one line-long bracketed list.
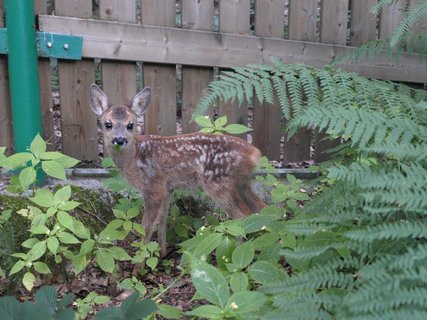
[(156, 165)]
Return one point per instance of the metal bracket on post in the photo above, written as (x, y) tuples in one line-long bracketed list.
[(51, 45)]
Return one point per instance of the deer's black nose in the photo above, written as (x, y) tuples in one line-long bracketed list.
[(120, 141)]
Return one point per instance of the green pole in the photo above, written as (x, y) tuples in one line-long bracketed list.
[(23, 72)]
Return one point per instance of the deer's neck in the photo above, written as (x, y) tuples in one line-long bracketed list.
[(124, 159)]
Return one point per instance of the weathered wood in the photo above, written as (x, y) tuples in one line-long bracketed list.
[(269, 22), (40, 7), (195, 15), (229, 10), (421, 26), (363, 22), (118, 78), (390, 17), (6, 131), (161, 115), (79, 129), (180, 46), (302, 26), (333, 21), (333, 30)]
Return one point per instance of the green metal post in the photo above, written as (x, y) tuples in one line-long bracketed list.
[(23, 72)]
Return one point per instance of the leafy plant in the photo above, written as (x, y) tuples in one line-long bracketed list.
[(87, 304), (220, 125)]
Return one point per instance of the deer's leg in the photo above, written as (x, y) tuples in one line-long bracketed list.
[(162, 229)]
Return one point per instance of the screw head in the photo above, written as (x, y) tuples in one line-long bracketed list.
[(49, 44), (66, 46)]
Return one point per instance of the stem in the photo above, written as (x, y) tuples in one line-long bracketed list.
[(161, 293)]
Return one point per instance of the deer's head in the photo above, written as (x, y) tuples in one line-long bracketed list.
[(118, 121)]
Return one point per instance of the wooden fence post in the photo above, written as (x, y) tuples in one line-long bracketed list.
[(362, 23), (234, 18), (195, 15), (269, 22), (302, 26), (79, 129), (160, 117), (6, 131)]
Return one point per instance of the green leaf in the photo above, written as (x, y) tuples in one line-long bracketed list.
[(53, 244), (239, 282), (208, 244), (243, 255), (265, 272), (67, 238), (224, 251), (68, 205), (258, 222), (152, 262), (38, 250), (119, 253), (18, 160), (206, 311), (207, 130), (41, 267), (18, 266), (130, 309), (26, 177), (221, 121), (38, 146), (43, 198), (53, 169), (203, 121), (246, 301), (107, 162), (236, 128), (170, 312), (209, 282), (28, 280), (39, 229), (29, 243), (65, 220), (46, 296), (50, 155), (66, 161), (105, 260), (62, 194), (300, 196), (87, 246)]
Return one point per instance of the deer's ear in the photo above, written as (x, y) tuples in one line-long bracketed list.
[(97, 100), (141, 101)]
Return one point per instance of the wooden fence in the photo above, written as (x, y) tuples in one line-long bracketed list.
[(185, 42)]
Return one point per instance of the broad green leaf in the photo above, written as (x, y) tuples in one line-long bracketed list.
[(28, 280), (258, 222), (66, 161), (206, 311), (50, 155), (209, 282), (133, 212), (68, 205), (224, 251), (87, 246), (66, 220), (119, 253), (38, 146), (221, 121), (38, 250), (18, 160), (170, 312), (289, 241), (107, 162), (29, 243), (53, 169), (41, 267), (208, 244), (239, 282), (53, 244), (152, 262), (26, 177), (236, 128), (127, 226), (67, 238), (266, 240), (300, 196), (105, 260), (243, 255), (39, 229), (46, 296), (266, 272), (62, 194), (43, 198), (203, 121), (80, 230), (207, 130), (246, 301), (18, 266)]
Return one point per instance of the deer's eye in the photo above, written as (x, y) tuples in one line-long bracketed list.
[(130, 126), (108, 125)]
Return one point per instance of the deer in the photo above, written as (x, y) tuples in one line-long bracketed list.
[(221, 165)]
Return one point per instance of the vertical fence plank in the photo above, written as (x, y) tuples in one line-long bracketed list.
[(421, 26), (391, 17), (333, 30), (363, 22), (6, 131), (234, 18), (160, 117), (118, 78), (79, 129), (302, 26), (269, 22), (195, 15), (40, 7)]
